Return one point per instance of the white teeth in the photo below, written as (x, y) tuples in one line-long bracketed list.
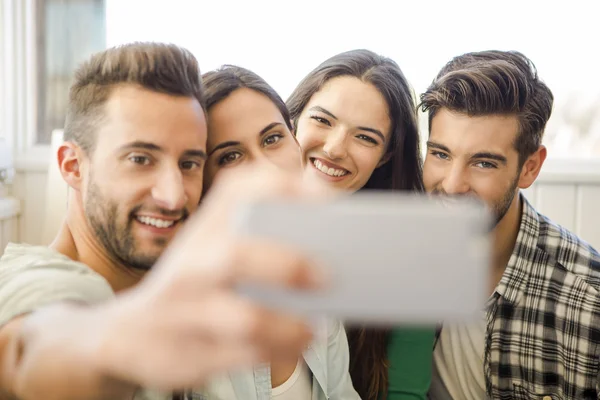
[(158, 223), (329, 171)]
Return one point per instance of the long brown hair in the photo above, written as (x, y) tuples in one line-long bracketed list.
[(368, 361), (403, 171)]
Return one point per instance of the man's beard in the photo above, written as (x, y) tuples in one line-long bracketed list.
[(118, 240), (499, 208)]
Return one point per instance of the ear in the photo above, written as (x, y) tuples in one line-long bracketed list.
[(532, 167), (70, 158)]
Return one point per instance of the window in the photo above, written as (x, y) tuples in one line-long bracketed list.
[(283, 41), (3, 66), (67, 33)]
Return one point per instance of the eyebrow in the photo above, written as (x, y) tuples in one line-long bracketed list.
[(324, 111), (231, 143), (433, 145), (483, 154), (362, 128), (141, 145), (490, 156)]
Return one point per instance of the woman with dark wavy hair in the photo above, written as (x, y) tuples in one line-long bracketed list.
[(355, 119), (249, 125)]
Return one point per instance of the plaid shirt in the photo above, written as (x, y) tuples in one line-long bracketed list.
[(543, 320)]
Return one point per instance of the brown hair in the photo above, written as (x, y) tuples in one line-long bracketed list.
[(494, 83), (403, 171), (220, 83), (163, 68)]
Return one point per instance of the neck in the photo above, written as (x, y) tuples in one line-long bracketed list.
[(76, 241), (504, 238)]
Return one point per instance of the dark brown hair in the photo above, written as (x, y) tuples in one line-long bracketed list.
[(494, 83), (163, 68), (403, 171), (220, 83)]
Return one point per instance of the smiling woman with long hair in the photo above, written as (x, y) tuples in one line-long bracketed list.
[(355, 119)]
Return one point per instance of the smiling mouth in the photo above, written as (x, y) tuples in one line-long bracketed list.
[(330, 171), (156, 222)]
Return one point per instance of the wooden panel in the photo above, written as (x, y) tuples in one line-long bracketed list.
[(558, 202), (8, 232), (30, 188), (35, 209), (3, 239), (588, 214)]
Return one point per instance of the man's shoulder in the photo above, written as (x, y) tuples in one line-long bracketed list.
[(23, 258), (569, 250), (35, 276)]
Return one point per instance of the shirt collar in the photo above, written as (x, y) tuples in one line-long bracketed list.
[(526, 251)]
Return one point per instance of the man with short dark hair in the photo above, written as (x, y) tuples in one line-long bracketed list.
[(539, 337), (133, 156)]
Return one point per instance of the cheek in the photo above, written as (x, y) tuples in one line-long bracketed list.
[(210, 172), (194, 190), (431, 174), (308, 137), (219, 173), (366, 159), (288, 157), (490, 188)]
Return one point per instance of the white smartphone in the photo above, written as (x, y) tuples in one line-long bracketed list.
[(393, 258)]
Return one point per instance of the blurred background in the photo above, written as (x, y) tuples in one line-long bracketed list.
[(43, 41)]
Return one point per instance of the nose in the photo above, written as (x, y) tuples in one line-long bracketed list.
[(169, 190), (456, 181), (335, 145), (263, 162)]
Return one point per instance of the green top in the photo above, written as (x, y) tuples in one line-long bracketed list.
[(410, 354)]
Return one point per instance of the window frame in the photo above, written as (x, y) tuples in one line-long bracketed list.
[(18, 73)]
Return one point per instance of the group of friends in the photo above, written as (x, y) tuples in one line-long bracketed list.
[(136, 296)]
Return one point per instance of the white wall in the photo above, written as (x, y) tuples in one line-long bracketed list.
[(30, 188), (574, 205), (9, 220)]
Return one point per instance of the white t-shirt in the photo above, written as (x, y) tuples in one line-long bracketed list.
[(32, 277), (458, 362), (297, 387)]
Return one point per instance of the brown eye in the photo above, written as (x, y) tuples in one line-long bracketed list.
[(271, 140), (230, 157), (366, 138), (189, 165), (140, 160), (321, 120)]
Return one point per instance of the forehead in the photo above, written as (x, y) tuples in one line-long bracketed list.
[(353, 101), (466, 134), (241, 116), (137, 114)]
